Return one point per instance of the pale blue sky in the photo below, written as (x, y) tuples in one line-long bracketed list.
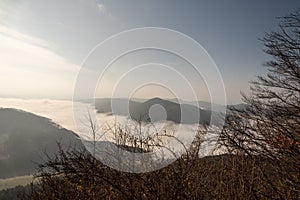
[(43, 43)]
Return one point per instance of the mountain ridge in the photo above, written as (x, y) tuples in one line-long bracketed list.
[(140, 110)]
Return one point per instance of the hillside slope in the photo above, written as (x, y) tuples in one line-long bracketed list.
[(24, 140)]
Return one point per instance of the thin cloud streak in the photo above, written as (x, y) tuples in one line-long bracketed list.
[(19, 49), (29, 62)]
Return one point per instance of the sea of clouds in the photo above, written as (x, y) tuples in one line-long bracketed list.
[(74, 116)]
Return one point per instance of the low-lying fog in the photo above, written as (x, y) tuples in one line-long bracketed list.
[(61, 112)]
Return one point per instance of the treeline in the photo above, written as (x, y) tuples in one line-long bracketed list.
[(77, 175), (15, 193)]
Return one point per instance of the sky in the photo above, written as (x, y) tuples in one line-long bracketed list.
[(44, 44)]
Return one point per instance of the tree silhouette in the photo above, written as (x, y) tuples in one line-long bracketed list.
[(269, 125)]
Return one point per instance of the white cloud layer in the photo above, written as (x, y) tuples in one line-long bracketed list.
[(61, 112), (100, 7)]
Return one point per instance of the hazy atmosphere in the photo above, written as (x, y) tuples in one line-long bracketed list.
[(43, 44), (149, 99)]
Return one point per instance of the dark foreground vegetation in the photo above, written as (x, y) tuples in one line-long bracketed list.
[(77, 175), (262, 141), (15, 193)]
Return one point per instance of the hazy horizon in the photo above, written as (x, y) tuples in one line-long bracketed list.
[(42, 50)]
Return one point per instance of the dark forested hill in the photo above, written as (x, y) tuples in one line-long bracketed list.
[(25, 138), (139, 110)]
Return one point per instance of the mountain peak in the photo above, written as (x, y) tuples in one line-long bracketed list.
[(156, 99)]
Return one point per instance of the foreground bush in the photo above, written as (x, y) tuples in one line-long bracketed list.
[(77, 175)]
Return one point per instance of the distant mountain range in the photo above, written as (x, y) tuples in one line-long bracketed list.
[(138, 109), (25, 138)]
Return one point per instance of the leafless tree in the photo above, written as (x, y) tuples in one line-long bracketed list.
[(269, 124)]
